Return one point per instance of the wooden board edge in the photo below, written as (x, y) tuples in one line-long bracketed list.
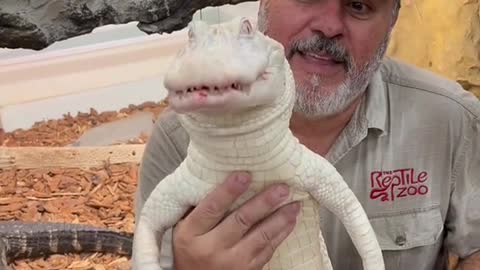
[(69, 157)]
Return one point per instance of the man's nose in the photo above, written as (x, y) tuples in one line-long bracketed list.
[(328, 18)]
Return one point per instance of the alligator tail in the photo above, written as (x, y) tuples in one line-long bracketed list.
[(33, 240)]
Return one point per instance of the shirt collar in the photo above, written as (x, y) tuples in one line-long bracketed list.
[(376, 105), (369, 118)]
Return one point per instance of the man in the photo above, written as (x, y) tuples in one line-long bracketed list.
[(406, 141)]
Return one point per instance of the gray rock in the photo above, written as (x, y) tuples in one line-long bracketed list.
[(38, 24)]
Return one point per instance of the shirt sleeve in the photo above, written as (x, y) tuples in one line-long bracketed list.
[(463, 219), (164, 151)]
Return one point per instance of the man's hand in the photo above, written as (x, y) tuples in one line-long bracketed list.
[(244, 240), (472, 262)]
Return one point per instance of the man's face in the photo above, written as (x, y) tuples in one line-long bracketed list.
[(333, 46)]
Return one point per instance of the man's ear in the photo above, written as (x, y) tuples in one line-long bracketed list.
[(394, 21), (396, 14)]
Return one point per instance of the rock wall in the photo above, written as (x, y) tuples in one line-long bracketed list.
[(442, 36), (38, 24)]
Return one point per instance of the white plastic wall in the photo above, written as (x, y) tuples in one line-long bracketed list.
[(108, 69)]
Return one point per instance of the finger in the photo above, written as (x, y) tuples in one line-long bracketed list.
[(267, 236), (211, 210), (237, 224), (188, 212)]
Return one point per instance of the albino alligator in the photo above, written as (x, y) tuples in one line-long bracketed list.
[(20, 240), (234, 92)]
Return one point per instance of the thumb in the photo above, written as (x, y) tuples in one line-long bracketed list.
[(211, 210)]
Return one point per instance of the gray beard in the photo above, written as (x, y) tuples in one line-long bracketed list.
[(311, 102)]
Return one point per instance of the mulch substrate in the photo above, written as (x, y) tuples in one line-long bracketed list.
[(101, 196)]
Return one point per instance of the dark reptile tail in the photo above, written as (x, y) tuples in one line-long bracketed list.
[(33, 240)]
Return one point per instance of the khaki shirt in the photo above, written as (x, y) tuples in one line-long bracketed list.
[(411, 154)]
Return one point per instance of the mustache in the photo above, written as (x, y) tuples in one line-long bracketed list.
[(320, 44)]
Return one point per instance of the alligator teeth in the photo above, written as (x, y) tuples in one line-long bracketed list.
[(215, 89)]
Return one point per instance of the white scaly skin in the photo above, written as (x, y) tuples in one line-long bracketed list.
[(242, 123)]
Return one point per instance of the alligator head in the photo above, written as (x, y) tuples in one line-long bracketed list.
[(224, 68)]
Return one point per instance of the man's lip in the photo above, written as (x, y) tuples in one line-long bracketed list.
[(326, 66), (322, 57)]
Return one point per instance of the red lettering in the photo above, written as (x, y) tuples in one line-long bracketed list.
[(412, 190), (422, 177), (386, 181), (405, 175), (402, 192), (422, 190), (396, 181), (374, 179), (414, 180), (379, 193), (388, 185)]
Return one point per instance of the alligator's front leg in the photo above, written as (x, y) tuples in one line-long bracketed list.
[(3, 255), (165, 206), (328, 187)]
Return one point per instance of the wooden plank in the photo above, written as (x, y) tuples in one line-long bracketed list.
[(69, 157)]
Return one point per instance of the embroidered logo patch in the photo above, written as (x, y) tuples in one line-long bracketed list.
[(397, 184)]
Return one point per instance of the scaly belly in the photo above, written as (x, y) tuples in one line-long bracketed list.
[(302, 248)]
